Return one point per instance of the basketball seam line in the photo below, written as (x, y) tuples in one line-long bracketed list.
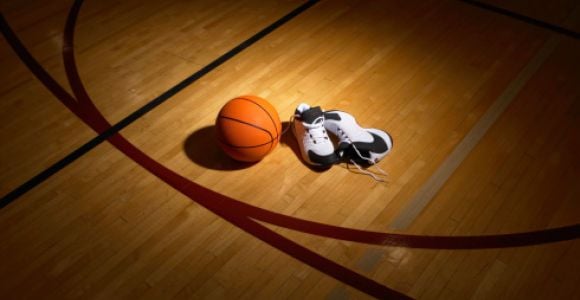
[(242, 147), (253, 125), (261, 107)]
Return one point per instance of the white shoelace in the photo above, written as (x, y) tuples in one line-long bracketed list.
[(316, 130), (319, 132), (344, 138)]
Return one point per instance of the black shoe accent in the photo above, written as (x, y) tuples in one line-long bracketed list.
[(329, 115), (347, 152), (351, 154), (310, 115), (342, 146), (378, 145), (323, 160)]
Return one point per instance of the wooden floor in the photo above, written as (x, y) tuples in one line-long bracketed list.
[(428, 72)]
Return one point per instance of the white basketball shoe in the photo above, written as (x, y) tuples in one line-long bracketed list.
[(315, 145), (361, 145)]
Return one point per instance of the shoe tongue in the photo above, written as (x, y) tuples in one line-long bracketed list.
[(309, 116)]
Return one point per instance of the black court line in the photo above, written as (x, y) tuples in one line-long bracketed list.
[(524, 18), (42, 176)]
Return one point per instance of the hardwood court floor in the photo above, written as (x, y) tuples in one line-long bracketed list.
[(427, 72)]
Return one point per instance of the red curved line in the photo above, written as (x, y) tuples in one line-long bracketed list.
[(217, 203), (379, 238), (349, 234), (90, 115), (356, 235), (237, 212)]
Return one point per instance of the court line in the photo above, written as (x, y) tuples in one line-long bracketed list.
[(71, 157), (240, 213), (523, 18), (430, 188), (219, 204), (194, 190)]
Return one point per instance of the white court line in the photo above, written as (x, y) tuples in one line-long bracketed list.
[(430, 188), (371, 257)]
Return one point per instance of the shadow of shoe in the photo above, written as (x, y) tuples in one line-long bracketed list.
[(203, 149), (289, 140)]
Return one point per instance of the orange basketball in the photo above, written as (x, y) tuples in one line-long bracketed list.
[(248, 128)]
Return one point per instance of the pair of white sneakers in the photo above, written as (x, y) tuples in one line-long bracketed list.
[(355, 144)]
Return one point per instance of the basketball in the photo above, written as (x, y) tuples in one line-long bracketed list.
[(248, 128)]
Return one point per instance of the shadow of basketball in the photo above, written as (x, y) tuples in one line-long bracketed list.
[(203, 149)]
